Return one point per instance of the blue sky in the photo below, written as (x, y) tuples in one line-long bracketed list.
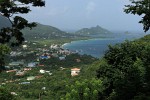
[(77, 14)]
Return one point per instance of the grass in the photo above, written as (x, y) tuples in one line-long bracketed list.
[(60, 41)]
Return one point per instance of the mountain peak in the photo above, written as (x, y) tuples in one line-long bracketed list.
[(97, 26), (93, 31)]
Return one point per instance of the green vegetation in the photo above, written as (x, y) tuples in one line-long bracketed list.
[(55, 84), (123, 74), (93, 31), (46, 32), (60, 41), (4, 49), (10, 31), (70, 61), (85, 90), (9, 9), (125, 71), (141, 8), (5, 95)]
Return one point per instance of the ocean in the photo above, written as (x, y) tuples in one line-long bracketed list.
[(97, 47)]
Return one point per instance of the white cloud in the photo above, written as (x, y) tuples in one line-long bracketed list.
[(49, 12), (90, 8)]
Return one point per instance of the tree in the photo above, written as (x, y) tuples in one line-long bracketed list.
[(13, 35), (140, 7), (10, 9), (4, 49), (5, 95), (85, 90), (125, 71)]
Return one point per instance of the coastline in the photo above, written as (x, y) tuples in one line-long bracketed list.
[(80, 40), (94, 47)]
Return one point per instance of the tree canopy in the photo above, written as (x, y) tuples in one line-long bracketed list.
[(5, 94), (4, 49), (10, 9), (125, 71), (141, 8)]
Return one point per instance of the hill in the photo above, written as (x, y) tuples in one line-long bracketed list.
[(93, 31), (45, 32), (4, 22), (40, 31)]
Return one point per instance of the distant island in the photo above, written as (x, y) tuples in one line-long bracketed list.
[(93, 31)]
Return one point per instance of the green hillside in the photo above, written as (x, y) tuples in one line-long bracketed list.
[(93, 31), (45, 32), (123, 74)]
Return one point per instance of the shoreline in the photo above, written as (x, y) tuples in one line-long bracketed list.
[(91, 51), (80, 40)]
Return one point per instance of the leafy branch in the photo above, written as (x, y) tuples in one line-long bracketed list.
[(9, 9)]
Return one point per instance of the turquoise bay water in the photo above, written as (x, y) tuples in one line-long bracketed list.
[(97, 47)]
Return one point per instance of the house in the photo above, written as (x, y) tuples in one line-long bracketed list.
[(50, 73), (24, 46), (24, 83), (42, 71), (13, 93), (32, 64), (54, 46), (7, 67), (16, 64), (27, 69), (30, 78), (78, 60), (62, 58), (75, 71), (43, 88), (47, 71), (43, 57), (14, 53), (9, 81), (11, 71), (54, 54), (20, 73)]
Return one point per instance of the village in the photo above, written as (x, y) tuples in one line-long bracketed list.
[(29, 63)]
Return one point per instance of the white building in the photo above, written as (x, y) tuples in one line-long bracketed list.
[(24, 46), (30, 78), (42, 71), (75, 71)]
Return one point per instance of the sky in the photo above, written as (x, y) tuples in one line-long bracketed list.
[(77, 14)]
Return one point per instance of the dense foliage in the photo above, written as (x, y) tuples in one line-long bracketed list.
[(85, 90), (125, 71), (93, 31), (12, 34), (4, 49), (46, 32), (123, 74), (69, 61), (54, 83), (5, 94), (10, 9), (141, 8)]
